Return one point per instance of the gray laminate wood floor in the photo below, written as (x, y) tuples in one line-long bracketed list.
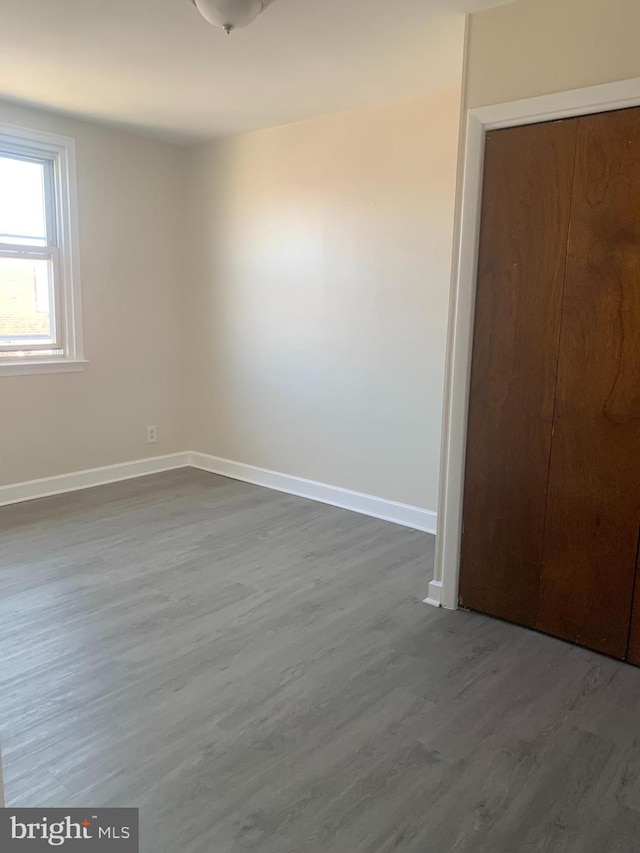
[(256, 672)]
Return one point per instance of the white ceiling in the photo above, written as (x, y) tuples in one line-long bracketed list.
[(157, 66)]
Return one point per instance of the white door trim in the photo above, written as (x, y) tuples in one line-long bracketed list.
[(595, 99)]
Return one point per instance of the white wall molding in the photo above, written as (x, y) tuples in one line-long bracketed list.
[(48, 486), (594, 99), (435, 594), (398, 513)]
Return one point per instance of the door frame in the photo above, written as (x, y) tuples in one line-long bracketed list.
[(443, 590)]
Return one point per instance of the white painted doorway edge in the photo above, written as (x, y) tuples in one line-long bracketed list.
[(443, 590)]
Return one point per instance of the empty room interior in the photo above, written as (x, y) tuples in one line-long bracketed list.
[(320, 425)]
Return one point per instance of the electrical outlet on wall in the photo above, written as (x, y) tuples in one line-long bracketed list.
[(152, 435)]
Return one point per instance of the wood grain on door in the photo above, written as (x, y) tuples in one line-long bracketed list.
[(594, 495), (523, 242)]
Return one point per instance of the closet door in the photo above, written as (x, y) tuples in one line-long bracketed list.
[(594, 488), (525, 224)]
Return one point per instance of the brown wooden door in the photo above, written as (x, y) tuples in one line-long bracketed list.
[(594, 490), (551, 521), (525, 224)]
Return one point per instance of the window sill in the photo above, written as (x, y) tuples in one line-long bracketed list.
[(26, 367)]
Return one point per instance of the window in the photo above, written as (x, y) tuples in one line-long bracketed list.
[(40, 313)]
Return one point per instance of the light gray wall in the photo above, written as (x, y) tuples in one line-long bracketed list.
[(132, 288), (321, 262), (535, 47), (299, 326)]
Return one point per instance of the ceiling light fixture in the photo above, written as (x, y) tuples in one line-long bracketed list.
[(230, 14)]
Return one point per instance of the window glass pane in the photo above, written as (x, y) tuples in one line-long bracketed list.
[(22, 202), (25, 302)]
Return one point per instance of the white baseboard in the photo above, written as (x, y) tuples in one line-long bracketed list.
[(48, 486), (398, 513), (435, 594)]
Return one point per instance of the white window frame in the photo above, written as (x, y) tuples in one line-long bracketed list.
[(64, 251)]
